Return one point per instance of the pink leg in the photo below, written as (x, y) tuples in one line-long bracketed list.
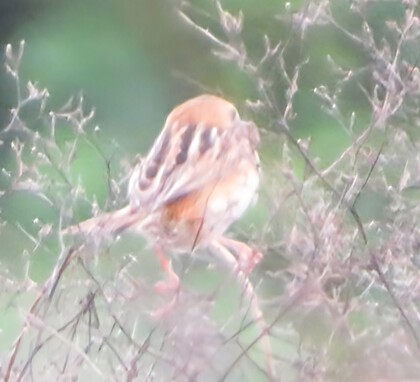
[(171, 284), (246, 256), (242, 262)]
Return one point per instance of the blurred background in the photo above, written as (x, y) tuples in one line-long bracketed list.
[(132, 61)]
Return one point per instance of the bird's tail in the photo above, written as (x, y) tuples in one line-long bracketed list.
[(109, 223)]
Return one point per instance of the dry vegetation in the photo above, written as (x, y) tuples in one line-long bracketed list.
[(339, 287)]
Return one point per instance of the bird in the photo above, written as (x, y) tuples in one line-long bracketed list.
[(200, 176)]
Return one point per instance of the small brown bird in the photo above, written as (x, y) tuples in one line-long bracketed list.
[(199, 177)]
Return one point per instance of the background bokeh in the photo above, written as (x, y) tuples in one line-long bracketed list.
[(131, 62)]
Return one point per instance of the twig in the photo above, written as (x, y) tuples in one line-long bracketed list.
[(256, 311)]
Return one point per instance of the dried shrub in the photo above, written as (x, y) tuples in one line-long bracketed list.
[(338, 289)]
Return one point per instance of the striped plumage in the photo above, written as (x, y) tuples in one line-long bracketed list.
[(198, 178)]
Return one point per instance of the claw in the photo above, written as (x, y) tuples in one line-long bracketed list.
[(172, 283), (246, 256)]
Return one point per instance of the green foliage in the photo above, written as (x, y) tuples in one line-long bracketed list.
[(334, 88)]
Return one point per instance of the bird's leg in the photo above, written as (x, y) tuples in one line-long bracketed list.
[(171, 284), (220, 248), (246, 256)]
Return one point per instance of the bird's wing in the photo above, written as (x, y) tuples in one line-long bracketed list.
[(184, 159), (193, 151)]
